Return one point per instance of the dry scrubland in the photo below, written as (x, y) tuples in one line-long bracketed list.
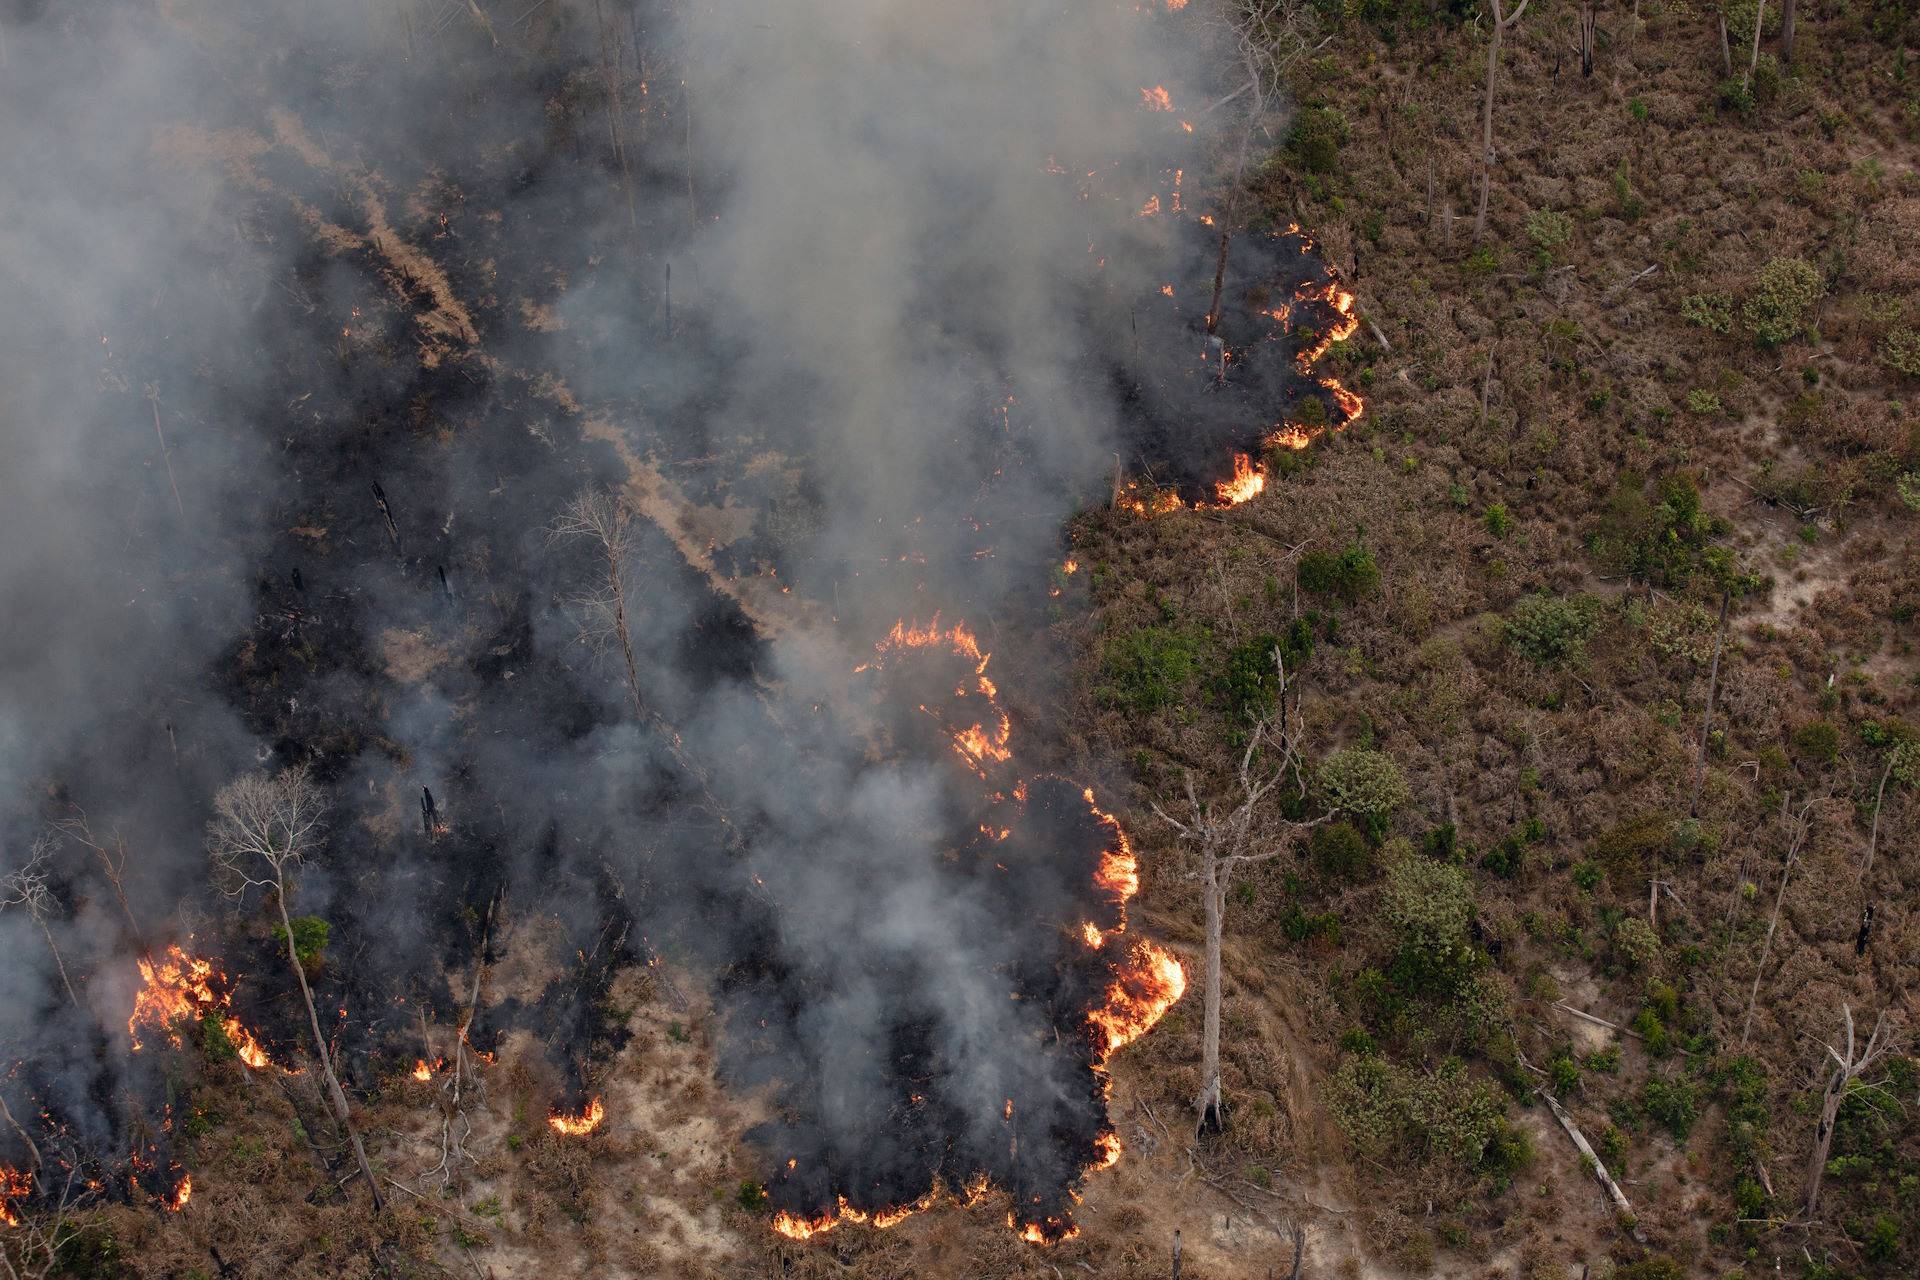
[(1499, 593)]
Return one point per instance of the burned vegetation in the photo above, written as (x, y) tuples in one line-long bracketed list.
[(509, 608)]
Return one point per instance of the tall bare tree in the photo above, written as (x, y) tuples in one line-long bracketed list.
[(26, 886), (1848, 1066), (1753, 61), (1789, 10), (1227, 842), (263, 829), (1502, 20), (1269, 36), (1798, 826)]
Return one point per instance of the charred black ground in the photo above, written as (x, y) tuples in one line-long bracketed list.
[(430, 304)]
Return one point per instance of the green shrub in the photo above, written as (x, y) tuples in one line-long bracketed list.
[(1666, 536), (1907, 488), (1703, 402), (1365, 783), (1316, 137), (1673, 1103), (1149, 668), (1430, 908), (1551, 630), (1443, 1115), (1708, 310), (1818, 740), (1658, 1267), (1784, 292), (1901, 350), (1339, 852), (1549, 228), (215, 1043), (1498, 522), (1635, 942), (310, 936), (1249, 681), (751, 1196), (1347, 574)]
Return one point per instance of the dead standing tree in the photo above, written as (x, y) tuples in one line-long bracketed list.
[(263, 827), (1226, 843), (1269, 37), (607, 523), (1501, 22), (1848, 1067), (26, 886), (1798, 826)]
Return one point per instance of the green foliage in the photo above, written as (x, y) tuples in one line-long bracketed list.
[(89, 1251), (1249, 681), (1316, 137), (1551, 630), (1900, 350), (1783, 293), (1818, 741), (1444, 1115), (1365, 783), (1563, 1073), (310, 935), (1585, 875), (1300, 925), (215, 1043), (1498, 522), (1635, 942), (1549, 228), (751, 1196), (1666, 537), (1339, 852), (1673, 1103), (1347, 574), (1430, 907), (1703, 402), (1907, 487), (1148, 668), (1708, 310)]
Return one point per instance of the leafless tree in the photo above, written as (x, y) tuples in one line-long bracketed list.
[(1848, 1067), (36, 1249), (111, 850), (606, 523), (1753, 62), (1706, 718), (1789, 10), (1586, 38), (1269, 36), (26, 886), (1502, 20), (264, 826), (1227, 842), (1798, 825)]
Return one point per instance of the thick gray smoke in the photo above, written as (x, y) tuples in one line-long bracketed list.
[(835, 276)]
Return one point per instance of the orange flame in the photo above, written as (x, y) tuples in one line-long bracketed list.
[(182, 987), (1110, 1149), (584, 1123), (421, 1071), (1156, 98), (15, 1186), (1141, 994), (181, 1194), (1248, 482)]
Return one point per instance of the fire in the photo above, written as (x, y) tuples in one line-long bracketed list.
[(181, 987), (1150, 208), (978, 744), (1110, 1150), (181, 1194), (1175, 6), (15, 1187), (1156, 98), (1248, 482), (421, 1071), (1090, 933), (1046, 1231), (1140, 995), (584, 1123), (795, 1227)]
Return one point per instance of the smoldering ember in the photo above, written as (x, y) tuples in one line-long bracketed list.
[(669, 637)]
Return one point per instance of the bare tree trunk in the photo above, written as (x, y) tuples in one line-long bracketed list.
[(1706, 720), (1586, 39), (1486, 124), (1788, 11), (1846, 1069), (618, 586), (614, 116), (336, 1096), (1211, 1118), (1176, 1253), (1873, 841), (1773, 924), (1759, 14), (1726, 49), (58, 963)]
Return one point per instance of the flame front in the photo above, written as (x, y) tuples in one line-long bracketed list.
[(1248, 481), (15, 1186), (182, 987), (575, 1126)]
